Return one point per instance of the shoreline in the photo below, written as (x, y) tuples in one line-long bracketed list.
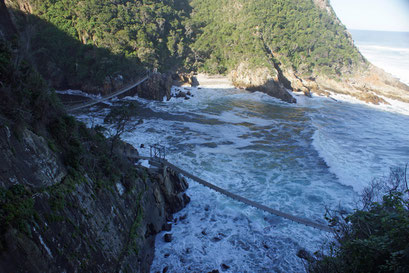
[(395, 106), (214, 81)]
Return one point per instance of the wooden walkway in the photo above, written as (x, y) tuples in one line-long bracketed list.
[(107, 97), (300, 220)]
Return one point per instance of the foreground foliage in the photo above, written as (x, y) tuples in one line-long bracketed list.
[(374, 238)]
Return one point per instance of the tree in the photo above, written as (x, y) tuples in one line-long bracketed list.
[(120, 117), (375, 238)]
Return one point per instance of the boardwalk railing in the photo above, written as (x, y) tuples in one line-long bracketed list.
[(110, 96), (300, 220)]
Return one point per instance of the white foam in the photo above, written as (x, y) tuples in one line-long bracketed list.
[(394, 106), (359, 142), (78, 93), (120, 188), (392, 60), (264, 150), (145, 163), (384, 48)]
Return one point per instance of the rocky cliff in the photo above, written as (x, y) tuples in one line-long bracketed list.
[(59, 220), (69, 201), (264, 79), (281, 46)]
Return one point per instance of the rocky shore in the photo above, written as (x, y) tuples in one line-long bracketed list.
[(372, 85)]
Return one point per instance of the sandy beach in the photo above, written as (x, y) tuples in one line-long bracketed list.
[(215, 81)]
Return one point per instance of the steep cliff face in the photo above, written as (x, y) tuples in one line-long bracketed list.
[(60, 222), (7, 28)]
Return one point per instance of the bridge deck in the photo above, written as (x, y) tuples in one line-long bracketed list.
[(110, 96)]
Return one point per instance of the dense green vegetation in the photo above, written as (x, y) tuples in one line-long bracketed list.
[(299, 34), (97, 40), (26, 103), (375, 238), (149, 30)]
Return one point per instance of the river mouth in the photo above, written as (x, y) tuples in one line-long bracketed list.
[(287, 157)]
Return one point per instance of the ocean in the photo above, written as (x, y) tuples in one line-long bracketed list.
[(385, 49), (301, 159)]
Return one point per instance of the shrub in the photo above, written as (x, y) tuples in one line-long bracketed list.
[(16, 208), (375, 238)]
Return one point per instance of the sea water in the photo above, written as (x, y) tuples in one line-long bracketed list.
[(300, 159), (385, 49), (297, 158)]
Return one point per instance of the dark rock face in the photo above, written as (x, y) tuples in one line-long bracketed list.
[(156, 87), (29, 160), (168, 237), (274, 89), (82, 228), (305, 255), (225, 267), (7, 29)]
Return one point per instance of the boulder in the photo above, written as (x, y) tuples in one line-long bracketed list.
[(157, 87), (305, 255), (168, 237), (264, 79)]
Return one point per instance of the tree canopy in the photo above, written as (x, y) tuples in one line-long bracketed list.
[(213, 36)]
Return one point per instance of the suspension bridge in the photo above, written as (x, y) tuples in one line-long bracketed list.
[(157, 159), (107, 97)]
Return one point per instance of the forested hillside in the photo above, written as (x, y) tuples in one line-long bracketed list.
[(266, 45), (299, 34), (74, 41)]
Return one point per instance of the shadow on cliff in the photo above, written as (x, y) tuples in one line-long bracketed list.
[(66, 63)]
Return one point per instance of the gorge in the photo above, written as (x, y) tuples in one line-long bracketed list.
[(70, 202)]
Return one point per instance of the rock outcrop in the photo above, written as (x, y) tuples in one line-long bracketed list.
[(185, 78), (265, 79), (29, 161), (369, 85), (157, 87), (77, 225)]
